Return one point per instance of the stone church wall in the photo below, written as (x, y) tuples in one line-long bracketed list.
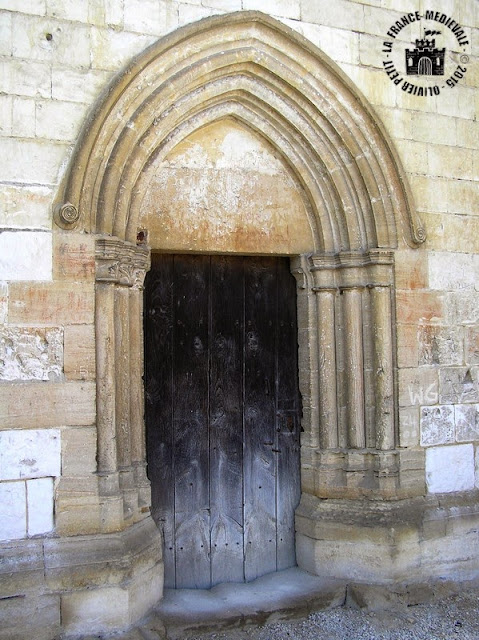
[(57, 58)]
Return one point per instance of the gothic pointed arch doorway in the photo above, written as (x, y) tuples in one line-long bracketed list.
[(350, 211)]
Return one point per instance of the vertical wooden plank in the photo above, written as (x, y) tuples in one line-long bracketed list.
[(190, 421), (214, 348), (259, 420), (158, 341), (288, 417), (226, 422)]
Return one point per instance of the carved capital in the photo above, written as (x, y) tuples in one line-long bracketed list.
[(121, 262), (352, 269)]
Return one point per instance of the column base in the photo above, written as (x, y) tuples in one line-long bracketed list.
[(390, 542), (81, 585)]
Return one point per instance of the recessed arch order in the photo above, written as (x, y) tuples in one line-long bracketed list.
[(248, 66), (251, 68)]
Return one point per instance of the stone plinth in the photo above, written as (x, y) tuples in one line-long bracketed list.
[(378, 542)]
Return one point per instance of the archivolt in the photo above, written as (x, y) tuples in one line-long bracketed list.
[(248, 66)]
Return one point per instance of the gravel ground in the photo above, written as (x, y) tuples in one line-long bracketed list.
[(455, 617)]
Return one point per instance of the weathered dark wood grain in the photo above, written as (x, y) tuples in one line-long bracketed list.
[(288, 413), (226, 420), (222, 413), (159, 319), (259, 412), (191, 423)]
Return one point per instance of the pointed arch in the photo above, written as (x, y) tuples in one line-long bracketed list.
[(248, 66)]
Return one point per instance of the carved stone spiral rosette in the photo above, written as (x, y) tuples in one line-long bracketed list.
[(66, 215)]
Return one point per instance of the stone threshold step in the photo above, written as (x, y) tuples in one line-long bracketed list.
[(288, 594)]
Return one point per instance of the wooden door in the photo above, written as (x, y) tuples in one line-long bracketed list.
[(222, 415)]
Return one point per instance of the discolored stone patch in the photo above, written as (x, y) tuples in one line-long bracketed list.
[(31, 353)]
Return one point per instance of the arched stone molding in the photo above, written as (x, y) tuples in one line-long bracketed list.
[(248, 66), (253, 69)]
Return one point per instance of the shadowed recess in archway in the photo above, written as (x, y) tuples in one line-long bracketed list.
[(249, 67)]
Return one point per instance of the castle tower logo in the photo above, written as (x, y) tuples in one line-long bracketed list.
[(425, 59), (421, 58)]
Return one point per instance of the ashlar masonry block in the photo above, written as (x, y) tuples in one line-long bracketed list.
[(450, 468), (114, 12), (5, 114), (25, 255), (440, 345), (49, 404), (411, 270), (280, 8), (458, 103), (237, 5), (78, 85), (430, 194), (6, 34), (408, 347), (30, 453), (398, 122), (472, 345), (112, 49), (462, 196), (33, 616), (13, 511), (107, 609), (341, 45), (31, 353), (458, 385), (413, 155), (23, 117), (468, 132), (26, 206), (450, 161), (340, 14), (25, 78), (31, 43), (369, 46), (51, 303), (462, 307), (430, 127), (68, 9), (73, 257), (414, 307), (36, 7), (192, 12), (3, 302), (453, 271), (33, 161), (448, 232), (437, 425), (79, 363), (409, 426), (418, 387), (39, 506), (67, 116), (79, 448), (467, 422), (374, 83), (149, 16)]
